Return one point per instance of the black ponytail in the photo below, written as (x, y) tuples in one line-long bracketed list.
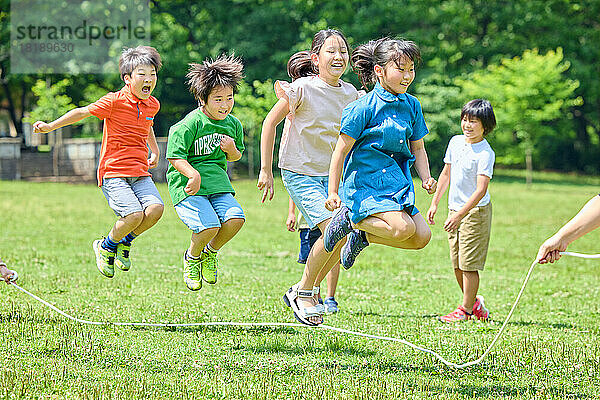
[(380, 52), (363, 62), (300, 64)]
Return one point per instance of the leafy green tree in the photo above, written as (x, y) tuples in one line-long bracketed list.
[(252, 104), (527, 92), (456, 37), (53, 102)]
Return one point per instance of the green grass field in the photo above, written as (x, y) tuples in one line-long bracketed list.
[(551, 349)]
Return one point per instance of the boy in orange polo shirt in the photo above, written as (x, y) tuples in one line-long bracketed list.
[(123, 167)]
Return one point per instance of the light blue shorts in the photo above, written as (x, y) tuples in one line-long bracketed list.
[(129, 195), (203, 212), (309, 194)]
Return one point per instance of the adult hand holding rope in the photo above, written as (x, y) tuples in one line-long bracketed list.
[(6, 274), (584, 222)]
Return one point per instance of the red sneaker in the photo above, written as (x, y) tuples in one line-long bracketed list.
[(479, 309), (460, 314)]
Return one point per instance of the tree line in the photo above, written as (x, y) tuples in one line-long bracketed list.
[(538, 62)]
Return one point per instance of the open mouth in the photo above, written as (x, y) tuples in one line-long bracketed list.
[(146, 89)]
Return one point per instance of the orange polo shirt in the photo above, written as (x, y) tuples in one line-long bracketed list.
[(127, 123)]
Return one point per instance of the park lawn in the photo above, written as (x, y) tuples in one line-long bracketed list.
[(550, 350)]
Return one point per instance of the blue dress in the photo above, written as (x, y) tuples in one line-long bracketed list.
[(376, 175)]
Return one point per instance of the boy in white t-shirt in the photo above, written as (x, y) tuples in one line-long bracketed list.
[(469, 164)]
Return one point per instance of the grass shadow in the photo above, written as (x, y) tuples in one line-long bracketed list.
[(511, 391), (279, 347), (558, 325), (383, 315), (252, 330)]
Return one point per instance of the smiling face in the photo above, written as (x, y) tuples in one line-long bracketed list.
[(332, 59), (219, 103), (142, 81), (396, 77), (472, 128)]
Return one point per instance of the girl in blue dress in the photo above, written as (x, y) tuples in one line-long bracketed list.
[(380, 138)]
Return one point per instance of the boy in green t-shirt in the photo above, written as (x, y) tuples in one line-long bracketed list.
[(198, 149)]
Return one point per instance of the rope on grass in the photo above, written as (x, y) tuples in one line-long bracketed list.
[(322, 326)]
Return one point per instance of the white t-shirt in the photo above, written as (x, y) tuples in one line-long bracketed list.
[(466, 162), (314, 123)]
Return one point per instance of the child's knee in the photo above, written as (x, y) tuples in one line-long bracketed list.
[(135, 218), (403, 231), (235, 223), (155, 211), (422, 239)]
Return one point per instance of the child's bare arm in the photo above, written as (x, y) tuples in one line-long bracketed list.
[(154, 149), (186, 169), (422, 165), (231, 152), (452, 223), (267, 142), (342, 148), (69, 118), (290, 222), (442, 185)]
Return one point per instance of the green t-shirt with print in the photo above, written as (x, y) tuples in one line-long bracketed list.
[(196, 138)]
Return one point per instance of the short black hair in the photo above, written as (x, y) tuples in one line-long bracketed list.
[(481, 109), (133, 57), (223, 71)]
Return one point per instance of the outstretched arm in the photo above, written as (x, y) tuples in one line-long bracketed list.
[(267, 142), (69, 118), (422, 165), (584, 222)]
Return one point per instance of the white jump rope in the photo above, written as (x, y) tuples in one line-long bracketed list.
[(322, 326)]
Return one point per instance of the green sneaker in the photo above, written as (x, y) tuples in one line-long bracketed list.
[(122, 259), (191, 272), (104, 259), (210, 263)]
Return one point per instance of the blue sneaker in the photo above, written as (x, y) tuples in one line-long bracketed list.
[(354, 245), (337, 229), (331, 306)]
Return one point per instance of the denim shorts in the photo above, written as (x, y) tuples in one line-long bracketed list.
[(309, 194), (203, 212), (130, 195), (307, 240)]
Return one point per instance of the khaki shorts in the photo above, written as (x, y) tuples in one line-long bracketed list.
[(469, 243)]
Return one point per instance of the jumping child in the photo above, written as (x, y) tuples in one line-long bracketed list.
[(314, 102), (469, 164), (198, 149), (381, 136), (123, 167)]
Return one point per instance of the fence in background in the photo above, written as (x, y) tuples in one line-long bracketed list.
[(67, 160)]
